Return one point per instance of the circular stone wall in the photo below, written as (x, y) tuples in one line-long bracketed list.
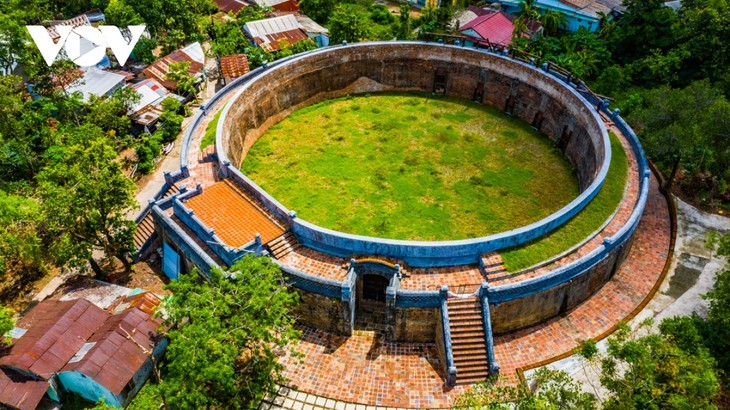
[(516, 88)]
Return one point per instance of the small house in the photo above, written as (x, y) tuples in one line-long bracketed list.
[(192, 53), (270, 33), (75, 346), (233, 66)]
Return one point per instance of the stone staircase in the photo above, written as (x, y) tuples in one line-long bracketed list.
[(208, 154), (146, 227), (467, 340), (492, 266), (283, 245)]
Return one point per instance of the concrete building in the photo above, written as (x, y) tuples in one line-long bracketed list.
[(579, 13)]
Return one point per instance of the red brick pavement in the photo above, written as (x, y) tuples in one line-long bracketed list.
[(357, 369)]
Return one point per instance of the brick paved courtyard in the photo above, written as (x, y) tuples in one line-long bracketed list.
[(362, 370)]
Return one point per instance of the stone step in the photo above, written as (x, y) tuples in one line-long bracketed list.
[(473, 332), (465, 316), (472, 340), (470, 362), (470, 350)]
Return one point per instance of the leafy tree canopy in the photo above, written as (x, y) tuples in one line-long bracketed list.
[(225, 333)]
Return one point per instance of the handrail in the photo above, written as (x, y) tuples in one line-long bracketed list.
[(451, 370)]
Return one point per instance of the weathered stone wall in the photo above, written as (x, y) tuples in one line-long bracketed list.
[(520, 313), (416, 324), (537, 99), (319, 311)]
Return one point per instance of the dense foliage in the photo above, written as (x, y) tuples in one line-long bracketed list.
[(225, 334)]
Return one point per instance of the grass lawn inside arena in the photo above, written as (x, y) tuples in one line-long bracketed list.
[(411, 166)]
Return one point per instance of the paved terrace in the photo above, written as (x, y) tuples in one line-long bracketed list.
[(362, 369), (235, 218)]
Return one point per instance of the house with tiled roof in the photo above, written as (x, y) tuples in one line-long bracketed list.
[(192, 53), (495, 27), (269, 33), (278, 6), (579, 13), (76, 346)]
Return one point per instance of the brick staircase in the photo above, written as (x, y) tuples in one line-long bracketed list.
[(208, 154), (467, 339), (147, 226), (492, 266), (283, 245)]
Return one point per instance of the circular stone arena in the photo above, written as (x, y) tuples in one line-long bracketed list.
[(409, 317), (416, 167)]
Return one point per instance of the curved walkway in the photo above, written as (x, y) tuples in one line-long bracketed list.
[(362, 369)]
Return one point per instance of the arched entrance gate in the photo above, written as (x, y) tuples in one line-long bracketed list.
[(368, 295)]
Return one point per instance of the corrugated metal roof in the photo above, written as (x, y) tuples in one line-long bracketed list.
[(494, 26), (195, 51), (95, 82), (123, 344), (310, 26), (270, 42), (161, 67), (263, 28), (234, 66), (150, 91), (56, 331), (227, 6), (19, 391)]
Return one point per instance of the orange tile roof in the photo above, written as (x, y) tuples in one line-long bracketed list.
[(235, 218)]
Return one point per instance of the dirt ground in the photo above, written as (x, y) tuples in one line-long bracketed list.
[(145, 275)]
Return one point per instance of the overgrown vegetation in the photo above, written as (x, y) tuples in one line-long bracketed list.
[(410, 166), (592, 217), (210, 130), (226, 332)]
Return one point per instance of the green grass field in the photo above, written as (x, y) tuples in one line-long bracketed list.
[(583, 224), (209, 136), (406, 166)]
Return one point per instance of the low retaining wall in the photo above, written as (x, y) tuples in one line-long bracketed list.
[(552, 106)]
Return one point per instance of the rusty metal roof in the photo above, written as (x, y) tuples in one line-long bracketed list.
[(56, 331), (161, 67), (234, 66), (19, 391), (119, 348)]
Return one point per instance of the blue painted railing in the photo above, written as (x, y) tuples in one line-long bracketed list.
[(448, 347), (488, 334)]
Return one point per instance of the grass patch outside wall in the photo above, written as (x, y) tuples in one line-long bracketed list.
[(579, 227), (209, 136)]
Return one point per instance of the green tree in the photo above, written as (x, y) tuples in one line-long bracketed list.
[(405, 31), (7, 323), (646, 370), (85, 198), (144, 50), (554, 390), (227, 38), (318, 10), (552, 21), (23, 257), (170, 121), (110, 113), (346, 24), (121, 14), (179, 73), (225, 332), (679, 129), (147, 149)]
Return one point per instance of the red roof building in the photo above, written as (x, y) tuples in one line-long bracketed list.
[(494, 26)]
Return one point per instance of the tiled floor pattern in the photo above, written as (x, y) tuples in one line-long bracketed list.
[(361, 370), (235, 219)]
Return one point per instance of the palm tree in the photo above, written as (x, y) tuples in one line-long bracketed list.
[(528, 11), (552, 21)]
